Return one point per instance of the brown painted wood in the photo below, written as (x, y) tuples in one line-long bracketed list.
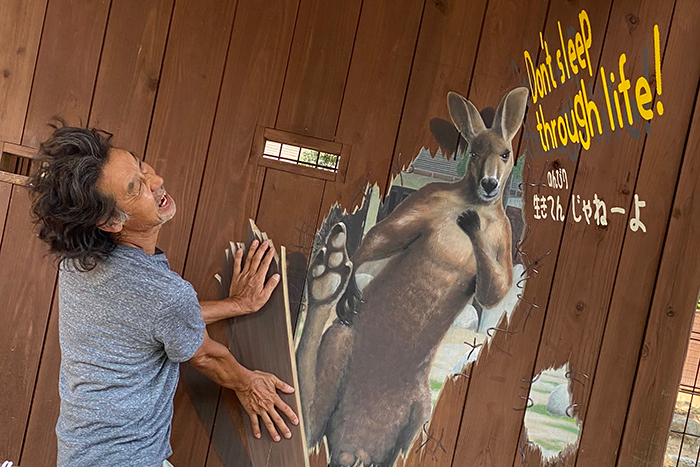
[(129, 72), (230, 190), (289, 209), (639, 262), (20, 31), (318, 67), (371, 111), (40, 445), (27, 278), (66, 66), (670, 322), (444, 60), (589, 256), (5, 193), (185, 109), (263, 341), (495, 388)]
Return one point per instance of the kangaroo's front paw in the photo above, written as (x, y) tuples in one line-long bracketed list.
[(469, 222), (330, 269)]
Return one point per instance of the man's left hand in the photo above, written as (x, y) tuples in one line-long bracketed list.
[(249, 291)]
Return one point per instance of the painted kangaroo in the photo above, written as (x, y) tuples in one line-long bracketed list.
[(364, 379)]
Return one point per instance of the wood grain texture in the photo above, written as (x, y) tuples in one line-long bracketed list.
[(184, 111), (66, 66), (634, 284), (129, 72), (5, 194), (263, 341), (589, 255), (490, 426), (289, 209), (27, 278), (40, 445), (445, 55), (318, 67), (20, 31), (670, 322), (371, 110)]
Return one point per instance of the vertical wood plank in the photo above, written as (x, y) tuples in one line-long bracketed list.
[(250, 93), (371, 111), (589, 256), (20, 31), (130, 69), (66, 66), (27, 278), (184, 111), (40, 445), (670, 322), (5, 193), (289, 201), (318, 66), (634, 284), (444, 60), (494, 388)]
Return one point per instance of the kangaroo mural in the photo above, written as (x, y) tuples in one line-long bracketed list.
[(364, 373)]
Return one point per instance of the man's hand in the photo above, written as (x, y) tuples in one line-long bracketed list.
[(248, 291), (258, 396)]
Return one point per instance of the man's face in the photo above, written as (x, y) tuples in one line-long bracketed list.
[(138, 191)]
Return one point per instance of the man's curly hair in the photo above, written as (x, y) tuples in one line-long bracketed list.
[(67, 207)]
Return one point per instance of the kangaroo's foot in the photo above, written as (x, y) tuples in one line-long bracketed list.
[(330, 269)]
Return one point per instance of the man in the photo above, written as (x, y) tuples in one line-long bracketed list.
[(126, 319)]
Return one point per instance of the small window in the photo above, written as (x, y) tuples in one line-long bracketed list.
[(17, 163), (301, 155)]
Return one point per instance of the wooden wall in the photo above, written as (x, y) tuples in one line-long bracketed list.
[(190, 85)]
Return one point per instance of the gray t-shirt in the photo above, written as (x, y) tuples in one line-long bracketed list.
[(123, 328)]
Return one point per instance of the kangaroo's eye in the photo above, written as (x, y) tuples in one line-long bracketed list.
[(505, 155)]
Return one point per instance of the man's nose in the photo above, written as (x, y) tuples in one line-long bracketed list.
[(489, 184), (155, 182)]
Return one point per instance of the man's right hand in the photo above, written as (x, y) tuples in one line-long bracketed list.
[(258, 396), (248, 291)]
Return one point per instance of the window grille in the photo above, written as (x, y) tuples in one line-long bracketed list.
[(683, 446), (300, 155)]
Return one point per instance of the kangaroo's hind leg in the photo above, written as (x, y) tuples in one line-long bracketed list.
[(319, 364)]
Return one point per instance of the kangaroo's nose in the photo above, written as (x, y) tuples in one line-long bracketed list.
[(489, 184)]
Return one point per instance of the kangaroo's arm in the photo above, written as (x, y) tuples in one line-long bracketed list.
[(494, 264)]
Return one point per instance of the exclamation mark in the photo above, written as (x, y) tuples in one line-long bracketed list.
[(657, 58)]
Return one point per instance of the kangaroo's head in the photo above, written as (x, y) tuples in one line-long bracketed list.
[(490, 152)]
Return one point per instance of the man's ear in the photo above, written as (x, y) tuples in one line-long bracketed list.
[(111, 228)]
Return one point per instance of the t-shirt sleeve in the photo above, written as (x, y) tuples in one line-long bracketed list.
[(180, 327)]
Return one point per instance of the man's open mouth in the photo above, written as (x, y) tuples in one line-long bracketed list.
[(163, 199)]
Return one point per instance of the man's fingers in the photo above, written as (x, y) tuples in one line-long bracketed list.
[(251, 253), (255, 423), (287, 410), (270, 426), (237, 259), (269, 256), (270, 286), (282, 386), (280, 423), (257, 258)]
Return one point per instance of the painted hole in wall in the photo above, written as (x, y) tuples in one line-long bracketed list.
[(402, 293), (550, 417), (683, 446), (300, 155)]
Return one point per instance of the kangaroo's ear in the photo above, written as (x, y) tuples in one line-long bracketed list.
[(510, 113), (465, 116)]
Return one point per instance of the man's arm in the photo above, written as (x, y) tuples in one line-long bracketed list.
[(256, 390), (248, 291)]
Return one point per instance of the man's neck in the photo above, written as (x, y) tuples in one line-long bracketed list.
[(143, 240)]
